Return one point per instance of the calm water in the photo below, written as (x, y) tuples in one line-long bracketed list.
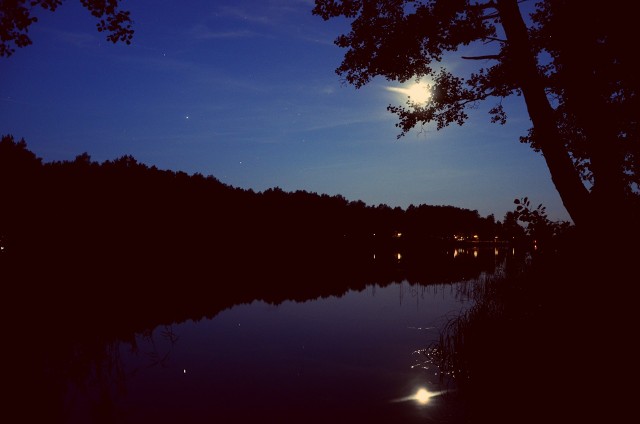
[(352, 356)]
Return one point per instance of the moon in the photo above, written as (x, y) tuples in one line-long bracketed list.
[(418, 93)]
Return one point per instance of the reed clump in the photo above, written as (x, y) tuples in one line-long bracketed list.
[(539, 343)]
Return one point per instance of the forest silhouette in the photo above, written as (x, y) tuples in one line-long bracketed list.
[(68, 204), (84, 239)]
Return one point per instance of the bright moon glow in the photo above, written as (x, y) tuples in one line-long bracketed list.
[(418, 92)]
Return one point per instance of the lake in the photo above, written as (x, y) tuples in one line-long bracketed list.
[(357, 354)]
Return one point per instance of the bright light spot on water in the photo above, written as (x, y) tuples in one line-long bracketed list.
[(423, 396)]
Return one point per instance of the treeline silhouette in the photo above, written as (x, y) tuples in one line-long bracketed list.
[(86, 238), (124, 206)]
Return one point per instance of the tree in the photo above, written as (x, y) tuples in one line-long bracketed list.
[(572, 65), (16, 16), (15, 157), (538, 227)]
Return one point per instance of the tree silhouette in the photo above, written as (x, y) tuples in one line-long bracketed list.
[(16, 16), (123, 206), (580, 82)]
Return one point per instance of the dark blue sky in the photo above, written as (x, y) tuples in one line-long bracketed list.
[(246, 91)]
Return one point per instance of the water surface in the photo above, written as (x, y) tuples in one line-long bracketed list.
[(355, 356), (305, 344)]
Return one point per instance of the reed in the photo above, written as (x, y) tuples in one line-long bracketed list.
[(494, 353), (532, 346)]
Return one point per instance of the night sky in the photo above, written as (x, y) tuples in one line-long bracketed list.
[(246, 91)]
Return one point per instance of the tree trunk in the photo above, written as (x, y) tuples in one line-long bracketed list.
[(564, 174), (587, 94)]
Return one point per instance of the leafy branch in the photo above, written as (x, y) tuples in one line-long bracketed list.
[(537, 224)]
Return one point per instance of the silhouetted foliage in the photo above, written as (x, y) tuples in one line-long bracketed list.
[(531, 331), (538, 227), (16, 16), (573, 64), (122, 205)]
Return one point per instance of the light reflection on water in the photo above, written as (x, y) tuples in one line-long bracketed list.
[(422, 396), (361, 356), (350, 354)]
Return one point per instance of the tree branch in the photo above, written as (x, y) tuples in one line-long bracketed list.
[(488, 56), (488, 5), (490, 16)]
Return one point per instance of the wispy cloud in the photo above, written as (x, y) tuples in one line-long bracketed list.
[(202, 32), (328, 90), (401, 90), (244, 15), (76, 39)]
